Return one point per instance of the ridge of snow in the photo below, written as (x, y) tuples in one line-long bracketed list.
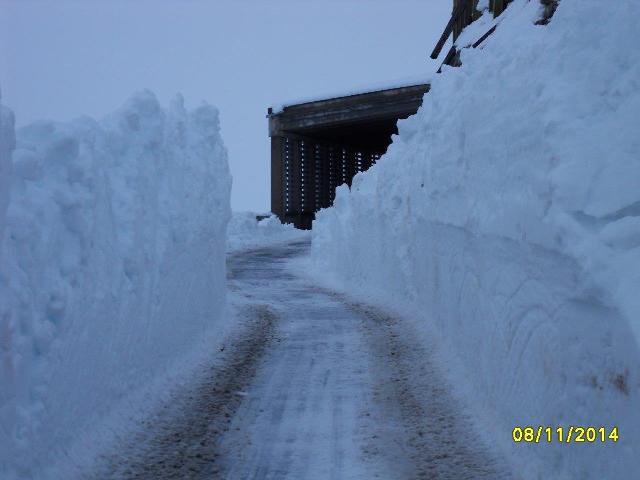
[(504, 216), (103, 281), (245, 232)]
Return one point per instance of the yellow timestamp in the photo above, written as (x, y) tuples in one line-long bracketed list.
[(570, 434)]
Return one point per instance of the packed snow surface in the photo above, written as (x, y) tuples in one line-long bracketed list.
[(246, 231), (505, 217), (112, 268)]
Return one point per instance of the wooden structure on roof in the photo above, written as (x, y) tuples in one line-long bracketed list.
[(464, 12), (317, 146)]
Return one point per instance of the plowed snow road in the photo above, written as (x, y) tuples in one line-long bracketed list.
[(317, 387)]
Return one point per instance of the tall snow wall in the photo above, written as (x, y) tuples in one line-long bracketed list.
[(506, 217), (7, 144), (113, 267)]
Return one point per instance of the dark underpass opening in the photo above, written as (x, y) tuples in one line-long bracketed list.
[(320, 145)]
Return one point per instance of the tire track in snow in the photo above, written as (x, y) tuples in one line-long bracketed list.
[(346, 393), (329, 389), (180, 440), (439, 436)]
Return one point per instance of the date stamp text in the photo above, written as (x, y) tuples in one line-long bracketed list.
[(568, 434)]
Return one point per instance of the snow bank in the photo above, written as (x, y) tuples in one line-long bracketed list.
[(113, 268), (7, 144), (506, 215), (246, 232)]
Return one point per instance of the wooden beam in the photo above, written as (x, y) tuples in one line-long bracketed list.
[(366, 107), (457, 22), (445, 35), (484, 37)]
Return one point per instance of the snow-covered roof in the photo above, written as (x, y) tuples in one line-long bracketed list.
[(356, 90)]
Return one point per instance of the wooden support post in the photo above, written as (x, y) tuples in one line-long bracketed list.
[(294, 189), (277, 177)]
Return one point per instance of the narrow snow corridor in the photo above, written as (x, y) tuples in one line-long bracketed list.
[(316, 388)]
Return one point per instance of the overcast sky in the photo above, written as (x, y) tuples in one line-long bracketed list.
[(61, 59)]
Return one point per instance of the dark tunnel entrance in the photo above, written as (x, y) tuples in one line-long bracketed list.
[(317, 146)]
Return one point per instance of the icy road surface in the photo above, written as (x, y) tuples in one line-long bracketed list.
[(317, 387)]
